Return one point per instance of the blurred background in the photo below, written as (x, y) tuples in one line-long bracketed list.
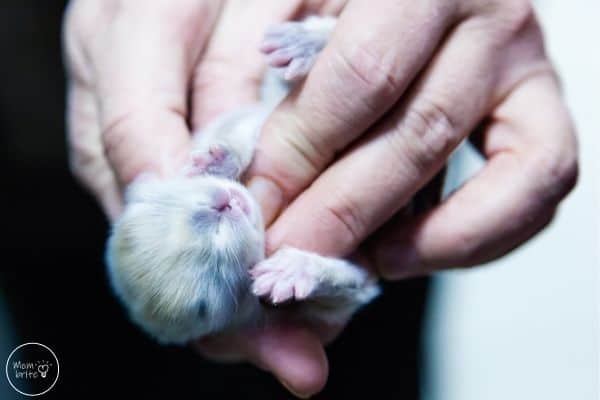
[(524, 328)]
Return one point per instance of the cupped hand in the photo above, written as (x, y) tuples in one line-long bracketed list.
[(142, 76), (399, 86)]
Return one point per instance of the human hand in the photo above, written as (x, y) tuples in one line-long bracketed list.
[(143, 75), (418, 78)]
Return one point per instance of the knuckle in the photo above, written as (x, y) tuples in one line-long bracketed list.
[(364, 69), (118, 139), (306, 153), (346, 218), (513, 16), (567, 173), (294, 155), (429, 132), (114, 134), (556, 173), (84, 156), (149, 137)]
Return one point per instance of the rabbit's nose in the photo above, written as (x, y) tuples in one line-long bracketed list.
[(221, 200)]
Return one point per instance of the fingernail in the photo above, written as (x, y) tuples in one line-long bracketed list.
[(268, 195), (289, 388)]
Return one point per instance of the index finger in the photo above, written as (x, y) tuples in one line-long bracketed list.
[(357, 78), (142, 69)]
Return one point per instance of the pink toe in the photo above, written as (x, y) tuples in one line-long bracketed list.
[(282, 291), (263, 268), (296, 69), (279, 59), (262, 286), (200, 160), (304, 286), (254, 273), (268, 46)]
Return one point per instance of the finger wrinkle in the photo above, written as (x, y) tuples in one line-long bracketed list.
[(358, 68), (112, 127)]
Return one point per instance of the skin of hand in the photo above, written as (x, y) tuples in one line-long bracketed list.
[(142, 76), (417, 77)]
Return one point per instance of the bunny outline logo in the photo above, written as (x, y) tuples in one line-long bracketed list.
[(32, 369)]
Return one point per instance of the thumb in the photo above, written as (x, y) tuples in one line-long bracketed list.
[(292, 353)]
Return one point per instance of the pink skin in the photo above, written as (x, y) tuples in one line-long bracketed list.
[(218, 160), (230, 200), (284, 278), (239, 199), (221, 199), (290, 48)]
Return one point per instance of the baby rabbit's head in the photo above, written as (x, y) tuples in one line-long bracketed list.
[(178, 256)]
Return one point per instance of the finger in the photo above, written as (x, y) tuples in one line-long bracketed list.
[(532, 165), (293, 354), (86, 155), (232, 68), (357, 78), (382, 172), (142, 67)]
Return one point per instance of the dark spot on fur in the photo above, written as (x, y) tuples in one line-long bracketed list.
[(202, 309)]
